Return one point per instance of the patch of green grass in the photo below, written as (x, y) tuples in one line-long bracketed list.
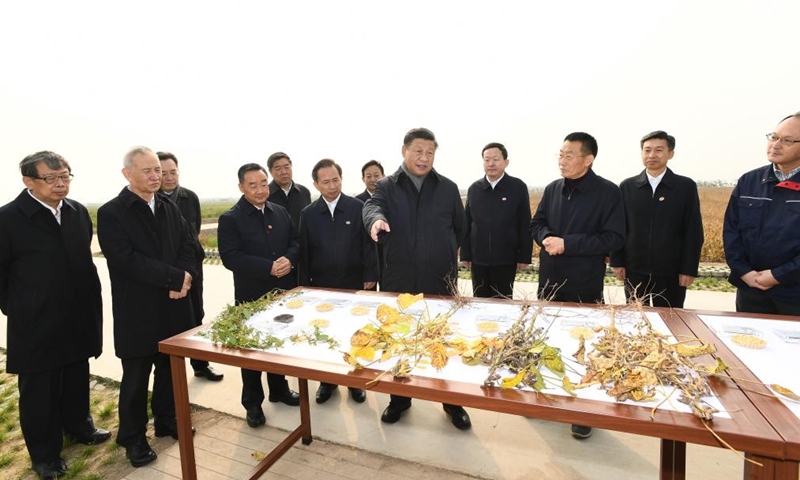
[(6, 459), (95, 401), (76, 467), (212, 210), (91, 476), (88, 451), (107, 411)]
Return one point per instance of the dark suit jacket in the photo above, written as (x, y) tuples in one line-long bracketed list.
[(147, 256), (497, 223), (49, 287), (420, 253), (250, 242), (336, 251), (364, 196), (591, 220), (298, 199), (189, 205), (664, 229)]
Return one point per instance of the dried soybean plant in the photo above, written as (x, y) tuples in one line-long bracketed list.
[(414, 339), (523, 350), (636, 365)]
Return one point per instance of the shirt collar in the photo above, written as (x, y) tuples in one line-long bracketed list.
[(55, 211), (494, 184), (783, 177)]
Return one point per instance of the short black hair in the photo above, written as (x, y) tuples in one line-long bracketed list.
[(498, 146), (371, 163), (250, 167), (167, 156), (588, 143), (54, 161), (422, 133), (659, 135), (324, 163), (275, 157), (787, 117)]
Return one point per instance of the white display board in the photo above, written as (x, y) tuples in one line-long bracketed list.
[(557, 321), (771, 364)]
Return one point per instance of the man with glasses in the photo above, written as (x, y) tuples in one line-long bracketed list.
[(189, 205), (761, 232), (664, 235), (151, 261), (50, 291), (578, 222), (283, 190), (259, 244)]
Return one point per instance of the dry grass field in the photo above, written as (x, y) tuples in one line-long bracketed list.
[(713, 201)]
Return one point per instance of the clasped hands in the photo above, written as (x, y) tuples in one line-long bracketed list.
[(187, 285), (763, 280), (281, 267)]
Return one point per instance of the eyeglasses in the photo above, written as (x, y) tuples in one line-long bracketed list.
[(51, 179), (785, 141)]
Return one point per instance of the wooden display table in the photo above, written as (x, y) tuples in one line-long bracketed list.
[(748, 430)]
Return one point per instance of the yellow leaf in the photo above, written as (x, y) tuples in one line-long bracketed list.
[(352, 360), (512, 382), (567, 386), (367, 353), (405, 300), (387, 354), (258, 456), (694, 350), (785, 392), (552, 360), (387, 314), (403, 328), (360, 338), (438, 354)]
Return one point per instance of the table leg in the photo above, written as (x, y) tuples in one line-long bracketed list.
[(305, 411), (771, 469), (180, 390), (673, 460)]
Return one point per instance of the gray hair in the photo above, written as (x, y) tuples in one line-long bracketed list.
[(53, 160), (794, 115), (127, 162)]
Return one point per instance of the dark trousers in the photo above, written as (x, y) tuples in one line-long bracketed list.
[(52, 403), (398, 400), (493, 282), (752, 300), (554, 294), (654, 290), (133, 396), (253, 390), (196, 293)]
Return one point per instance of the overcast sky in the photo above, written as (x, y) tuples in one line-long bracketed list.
[(224, 83)]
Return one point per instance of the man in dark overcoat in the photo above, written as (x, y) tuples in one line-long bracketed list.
[(259, 244), (498, 243), (283, 190), (50, 292), (151, 261), (189, 205), (579, 221), (418, 216), (336, 251), (664, 229)]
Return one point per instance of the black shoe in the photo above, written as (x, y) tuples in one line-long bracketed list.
[(325, 391), (288, 397), (255, 417), (209, 374), (458, 416), (140, 453), (49, 470), (580, 432), (98, 436), (393, 411), (357, 395), (169, 428)]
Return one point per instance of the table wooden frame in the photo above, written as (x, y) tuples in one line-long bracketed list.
[(781, 418), (747, 431)]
